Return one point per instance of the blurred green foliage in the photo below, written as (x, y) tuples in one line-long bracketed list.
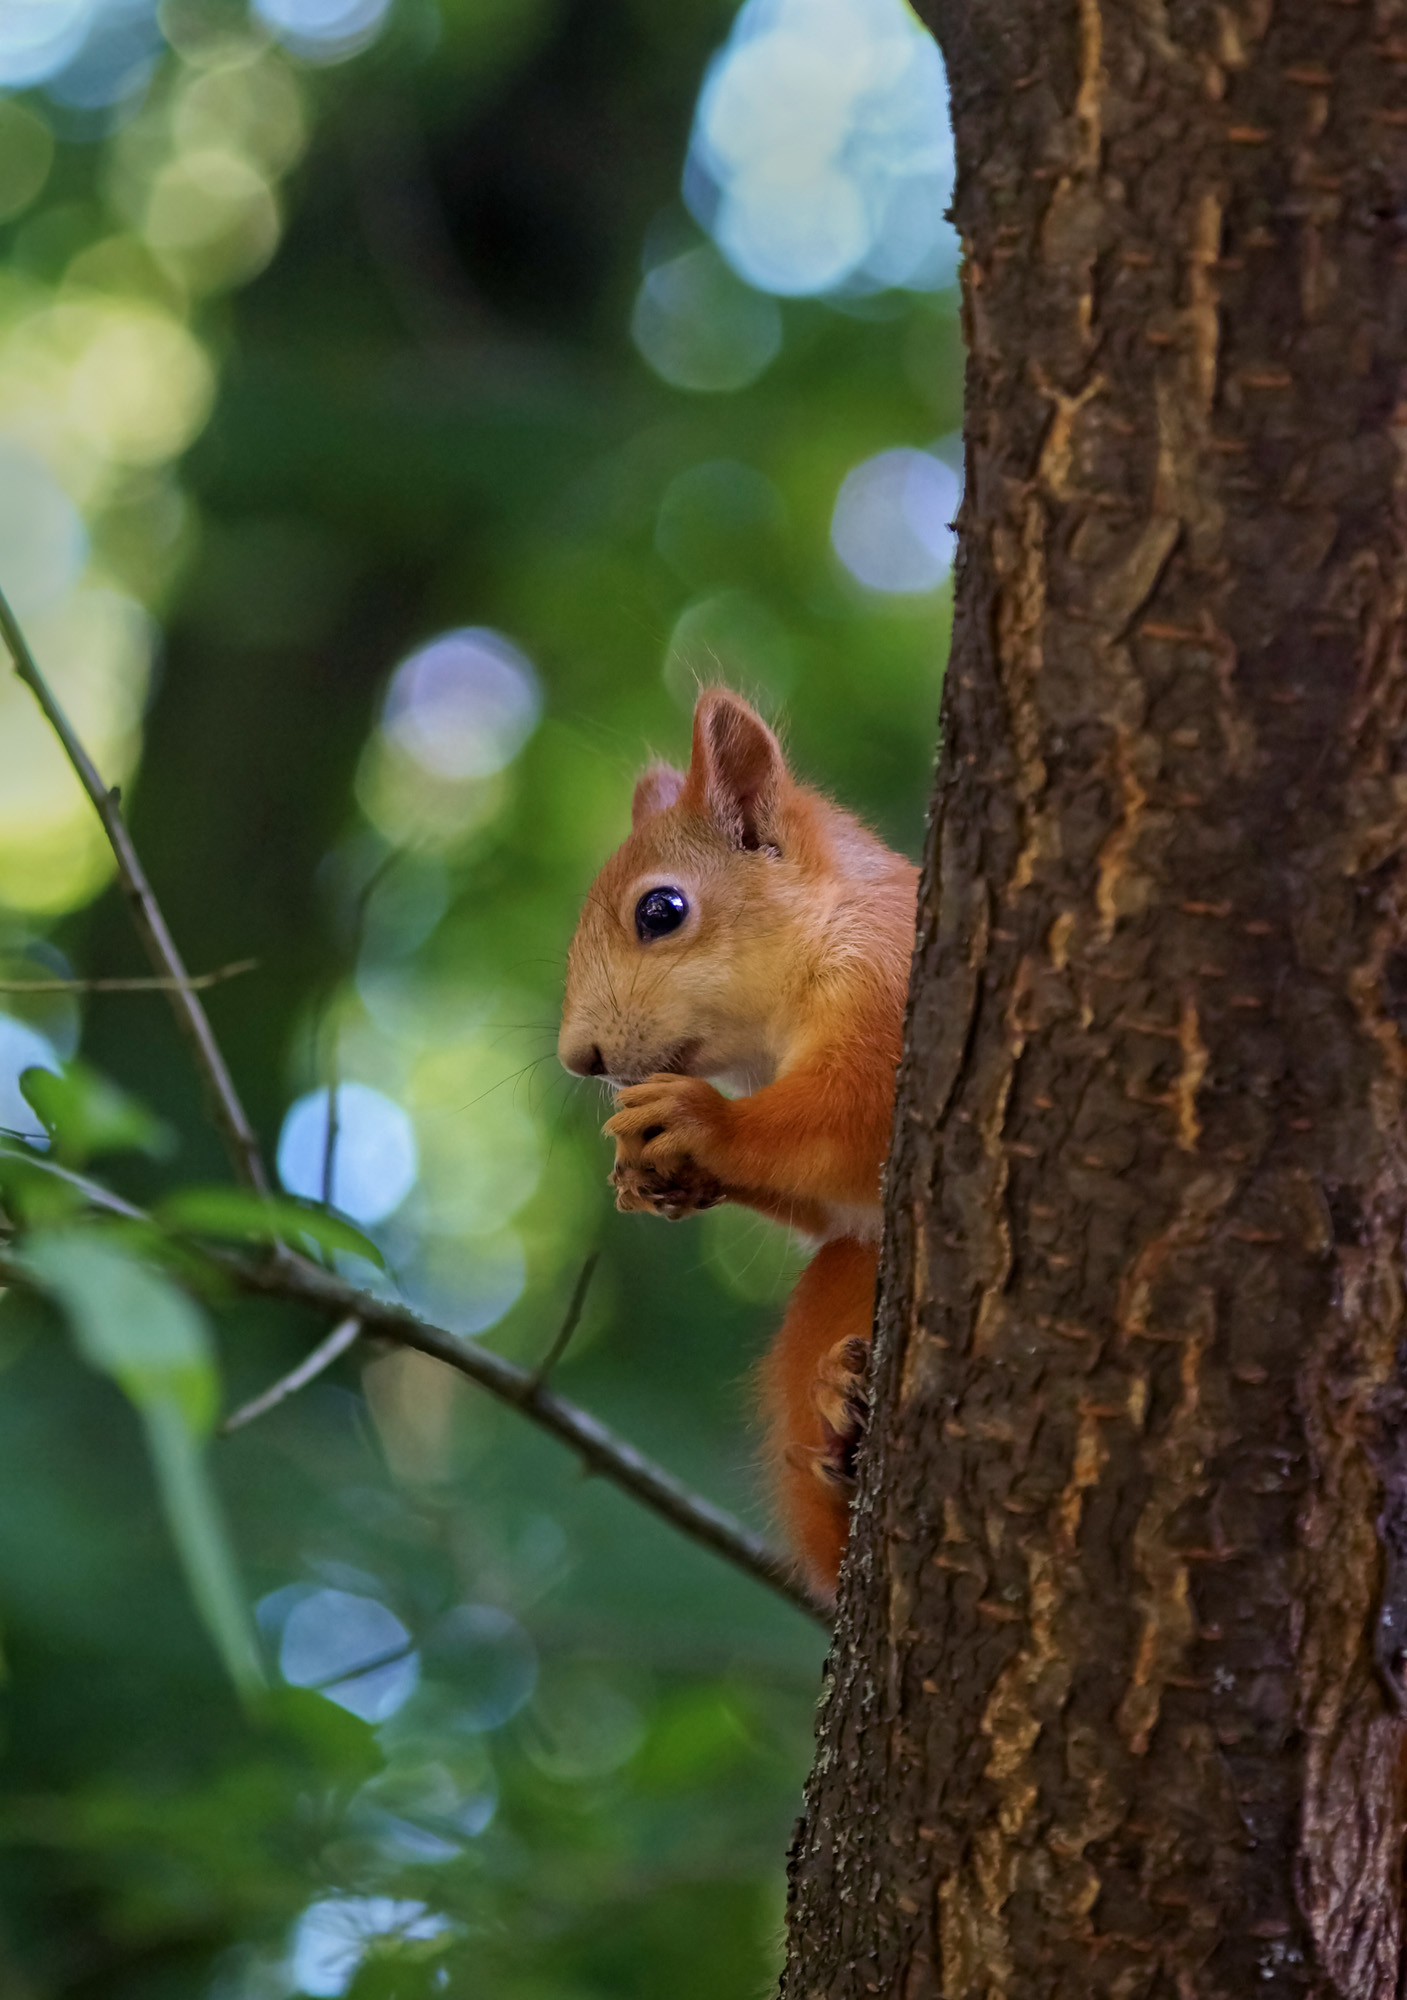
[(572, 1775)]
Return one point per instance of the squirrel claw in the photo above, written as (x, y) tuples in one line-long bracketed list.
[(685, 1191), (842, 1400)]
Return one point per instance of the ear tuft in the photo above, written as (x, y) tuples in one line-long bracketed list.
[(655, 789), (737, 770)]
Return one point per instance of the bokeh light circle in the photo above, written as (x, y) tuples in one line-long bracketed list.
[(43, 542), (141, 386), (486, 1657), (376, 1158), (821, 158), (464, 705), (891, 527), (21, 1048), (333, 1640), (334, 1935), (38, 37), (214, 210), (115, 60), (794, 235), (324, 31), (700, 328)]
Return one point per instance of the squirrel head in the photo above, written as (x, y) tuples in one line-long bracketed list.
[(693, 933)]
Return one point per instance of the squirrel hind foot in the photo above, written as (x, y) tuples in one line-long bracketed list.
[(842, 1401)]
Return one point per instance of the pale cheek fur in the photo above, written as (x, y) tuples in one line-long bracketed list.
[(635, 1005)]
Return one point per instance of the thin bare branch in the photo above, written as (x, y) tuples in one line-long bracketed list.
[(309, 1368), (333, 1131), (375, 1663), (229, 1113), (569, 1323), (601, 1450), (92, 1191), (196, 983)]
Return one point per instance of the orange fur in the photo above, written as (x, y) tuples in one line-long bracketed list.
[(785, 980), (833, 1302)]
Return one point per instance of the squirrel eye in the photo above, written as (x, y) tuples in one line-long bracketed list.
[(658, 912)]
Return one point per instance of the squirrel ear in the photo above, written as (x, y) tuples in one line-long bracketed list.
[(655, 789), (736, 769)]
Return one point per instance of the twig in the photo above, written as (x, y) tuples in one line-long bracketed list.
[(311, 1366), (332, 1131), (92, 1192), (569, 1324), (290, 1277), (197, 983), (238, 1134), (392, 1657)]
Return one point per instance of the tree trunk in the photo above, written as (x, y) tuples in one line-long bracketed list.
[(1110, 1710)]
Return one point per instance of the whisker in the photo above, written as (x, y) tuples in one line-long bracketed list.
[(458, 1110), (569, 1101)]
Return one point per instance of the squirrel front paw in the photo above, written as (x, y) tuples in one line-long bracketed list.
[(683, 1192), (841, 1397), (661, 1127)]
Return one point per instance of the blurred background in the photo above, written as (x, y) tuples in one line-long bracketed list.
[(403, 405)]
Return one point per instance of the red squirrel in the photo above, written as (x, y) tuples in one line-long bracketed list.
[(752, 931)]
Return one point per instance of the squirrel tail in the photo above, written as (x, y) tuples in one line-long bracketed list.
[(814, 1402)]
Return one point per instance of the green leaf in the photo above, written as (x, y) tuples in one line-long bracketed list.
[(242, 1217), (24, 1317), (132, 1323), (193, 1514), (36, 1192), (129, 1322), (339, 1746), (85, 1113)]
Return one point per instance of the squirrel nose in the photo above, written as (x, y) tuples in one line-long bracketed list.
[(585, 1060)]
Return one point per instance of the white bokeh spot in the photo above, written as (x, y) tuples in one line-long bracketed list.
[(43, 542), (464, 705), (21, 1048), (333, 1639), (39, 37), (376, 1159), (891, 526), (822, 154), (324, 31), (333, 1936)]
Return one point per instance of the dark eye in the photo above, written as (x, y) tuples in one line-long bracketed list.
[(658, 912)]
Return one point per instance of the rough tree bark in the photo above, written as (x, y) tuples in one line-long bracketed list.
[(1104, 1716)]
